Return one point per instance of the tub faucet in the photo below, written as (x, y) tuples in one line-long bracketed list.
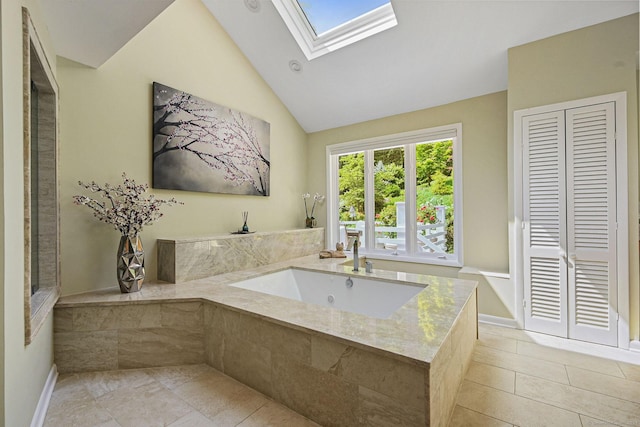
[(354, 235)]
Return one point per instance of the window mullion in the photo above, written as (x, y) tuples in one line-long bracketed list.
[(369, 201), (410, 198)]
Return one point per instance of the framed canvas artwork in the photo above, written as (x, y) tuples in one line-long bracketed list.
[(199, 145)]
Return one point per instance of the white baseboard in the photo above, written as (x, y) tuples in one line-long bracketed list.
[(498, 321), (634, 345), (45, 397)]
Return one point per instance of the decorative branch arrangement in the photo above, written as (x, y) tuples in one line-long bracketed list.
[(203, 146), (123, 206), (317, 198)]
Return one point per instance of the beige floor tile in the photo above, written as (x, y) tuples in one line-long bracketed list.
[(77, 411), (631, 372), (592, 363), (174, 376), (463, 417), (516, 334), (222, 399), (492, 376), (498, 342), (513, 409), (592, 422), (100, 383), (193, 419), (276, 415), (585, 402), (147, 405), (520, 363), (605, 384)]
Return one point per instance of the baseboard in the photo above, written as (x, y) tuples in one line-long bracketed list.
[(45, 397), (634, 345), (498, 321)]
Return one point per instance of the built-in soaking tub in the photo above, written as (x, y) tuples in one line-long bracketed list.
[(391, 349), (356, 294)]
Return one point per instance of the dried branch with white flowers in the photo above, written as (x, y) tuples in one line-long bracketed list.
[(123, 206)]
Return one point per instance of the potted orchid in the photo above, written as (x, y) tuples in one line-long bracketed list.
[(125, 208), (310, 221)]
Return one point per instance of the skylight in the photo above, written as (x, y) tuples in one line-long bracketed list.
[(323, 26), (324, 15)]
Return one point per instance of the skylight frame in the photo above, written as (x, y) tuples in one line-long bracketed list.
[(314, 46)]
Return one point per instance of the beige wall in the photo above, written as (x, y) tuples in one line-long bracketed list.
[(25, 369), (592, 61), (106, 130), (484, 156)]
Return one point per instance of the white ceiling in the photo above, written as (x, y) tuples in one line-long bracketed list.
[(441, 51)]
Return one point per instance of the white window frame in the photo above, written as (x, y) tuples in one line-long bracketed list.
[(406, 139), (314, 46)]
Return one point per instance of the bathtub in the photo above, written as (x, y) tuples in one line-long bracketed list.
[(355, 294)]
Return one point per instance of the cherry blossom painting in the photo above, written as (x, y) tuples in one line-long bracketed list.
[(202, 146)]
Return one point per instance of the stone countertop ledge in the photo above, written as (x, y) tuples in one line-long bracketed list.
[(413, 334)]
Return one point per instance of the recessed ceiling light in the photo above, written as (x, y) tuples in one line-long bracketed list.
[(295, 66), (252, 5)]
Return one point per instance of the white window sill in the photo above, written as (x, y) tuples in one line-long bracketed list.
[(407, 258)]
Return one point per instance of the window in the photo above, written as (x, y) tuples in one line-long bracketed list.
[(324, 15), (41, 208), (321, 27), (403, 192)]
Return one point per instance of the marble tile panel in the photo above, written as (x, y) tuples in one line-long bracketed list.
[(62, 320), (593, 422), (397, 380), (631, 372), (103, 382), (86, 351), (174, 376), (150, 347), (275, 415), (463, 417), (592, 363), (488, 339), (605, 384), (376, 409), (193, 419), (96, 318), (525, 364), (295, 345), (515, 334), (492, 376), (161, 406), (586, 402), (221, 399), (190, 259), (187, 315), (514, 409), (249, 363), (310, 391), (71, 404)]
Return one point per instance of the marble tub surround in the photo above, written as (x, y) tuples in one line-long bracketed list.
[(335, 367), (95, 338), (181, 260)]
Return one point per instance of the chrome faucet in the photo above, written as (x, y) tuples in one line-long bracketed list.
[(354, 235)]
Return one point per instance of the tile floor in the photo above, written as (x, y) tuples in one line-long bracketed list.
[(523, 379), (515, 379)]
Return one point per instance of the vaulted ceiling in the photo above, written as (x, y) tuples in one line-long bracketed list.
[(441, 51)]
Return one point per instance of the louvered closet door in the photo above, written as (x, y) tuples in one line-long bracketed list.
[(545, 233), (591, 216)]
